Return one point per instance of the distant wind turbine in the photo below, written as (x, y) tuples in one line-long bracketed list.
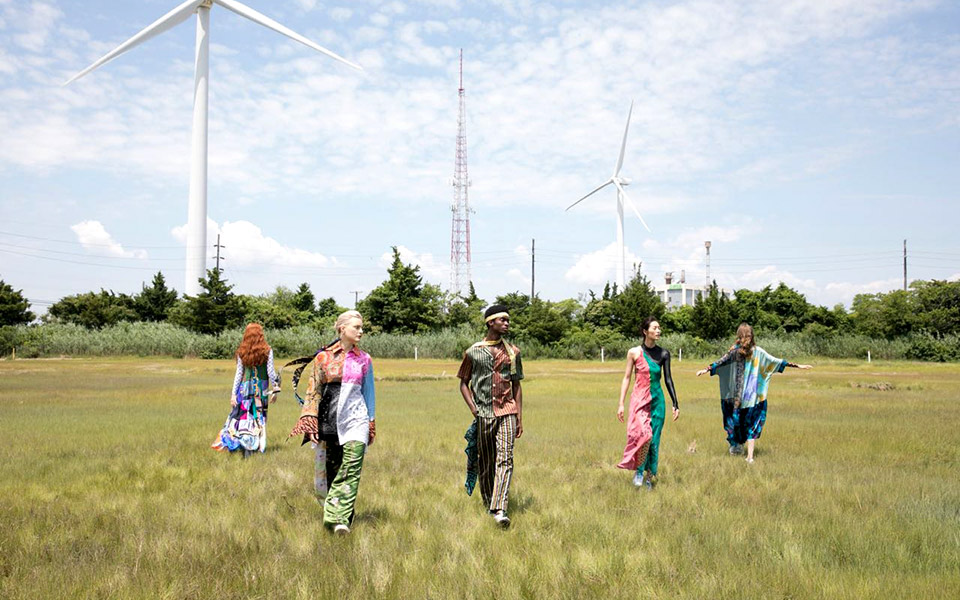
[(197, 207), (619, 182)]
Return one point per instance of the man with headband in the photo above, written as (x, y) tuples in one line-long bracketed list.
[(490, 377)]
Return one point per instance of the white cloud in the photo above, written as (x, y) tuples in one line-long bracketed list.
[(93, 236), (245, 245), (340, 14), (518, 277), (600, 266), (430, 269)]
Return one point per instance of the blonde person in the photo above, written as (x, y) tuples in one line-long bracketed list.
[(339, 412), (255, 384), (490, 377), (744, 373), (648, 362)]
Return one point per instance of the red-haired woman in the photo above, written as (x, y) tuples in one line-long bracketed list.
[(253, 384)]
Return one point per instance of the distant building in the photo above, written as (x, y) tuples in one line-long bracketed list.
[(675, 295)]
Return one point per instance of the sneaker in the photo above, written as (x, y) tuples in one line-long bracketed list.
[(638, 480), (749, 460), (341, 529), (648, 484), (501, 518), (736, 450)]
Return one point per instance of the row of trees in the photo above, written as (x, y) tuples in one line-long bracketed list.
[(214, 309), (404, 303)]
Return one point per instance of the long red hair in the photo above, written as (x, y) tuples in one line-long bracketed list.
[(253, 349)]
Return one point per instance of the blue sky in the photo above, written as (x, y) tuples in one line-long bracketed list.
[(806, 139)]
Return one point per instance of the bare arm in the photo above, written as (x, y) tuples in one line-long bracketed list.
[(518, 398), (625, 384), (467, 394)]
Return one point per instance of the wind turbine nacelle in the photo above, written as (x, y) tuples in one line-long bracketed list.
[(625, 181)]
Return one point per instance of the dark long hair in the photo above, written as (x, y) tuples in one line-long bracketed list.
[(645, 327)]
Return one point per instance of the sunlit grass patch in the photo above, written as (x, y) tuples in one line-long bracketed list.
[(108, 489)]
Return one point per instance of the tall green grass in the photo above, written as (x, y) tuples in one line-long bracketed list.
[(108, 489), (164, 339)]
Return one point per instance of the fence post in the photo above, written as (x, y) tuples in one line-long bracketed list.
[(868, 356), (601, 354), (416, 353), (14, 354), (681, 355)]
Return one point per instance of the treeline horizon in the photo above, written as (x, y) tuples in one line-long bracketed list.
[(923, 321)]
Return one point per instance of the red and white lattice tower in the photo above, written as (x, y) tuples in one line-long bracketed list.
[(460, 207)]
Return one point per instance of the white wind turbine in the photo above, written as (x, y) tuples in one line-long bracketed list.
[(197, 206), (619, 182)]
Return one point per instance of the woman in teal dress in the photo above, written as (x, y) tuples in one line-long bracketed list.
[(648, 362)]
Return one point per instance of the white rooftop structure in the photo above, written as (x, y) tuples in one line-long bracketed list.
[(678, 294)]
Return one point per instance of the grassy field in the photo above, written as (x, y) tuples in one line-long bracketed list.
[(108, 489)]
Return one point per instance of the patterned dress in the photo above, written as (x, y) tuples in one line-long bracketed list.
[(647, 410), (743, 391), (246, 425)]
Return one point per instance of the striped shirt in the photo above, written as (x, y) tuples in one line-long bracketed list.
[(486, 369)]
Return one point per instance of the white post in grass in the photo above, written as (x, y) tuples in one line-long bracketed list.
[(416, 353), (868, 356), (601, 354), (681, 355)]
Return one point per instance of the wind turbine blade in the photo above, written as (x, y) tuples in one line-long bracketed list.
[(627, 198), (167, 21), (249, 13), (605, 184), (623, 145)]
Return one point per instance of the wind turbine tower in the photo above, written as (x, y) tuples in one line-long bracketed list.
[(460, 207), (197, 201), (619, 183)]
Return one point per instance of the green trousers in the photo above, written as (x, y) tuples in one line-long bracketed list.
[(338, 507)]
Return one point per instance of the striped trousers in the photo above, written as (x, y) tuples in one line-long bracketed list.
[(495, 437)]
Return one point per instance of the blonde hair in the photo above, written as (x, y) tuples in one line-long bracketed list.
[(344, 318), (745, 340)]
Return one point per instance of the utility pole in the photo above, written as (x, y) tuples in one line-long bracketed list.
[(904, 265), (533, 268), (356, 297), (218, 246)]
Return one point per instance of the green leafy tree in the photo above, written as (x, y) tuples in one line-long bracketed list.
[(403, 303), (678, 320), (154, 303), (328, 307), (636, 302), (304, 300), (271, 314), (790, 306), (938, 306), (465, 311), (212, 310), (14, 307), (93, 310), (713, 316), (754, 308), (546, 322)]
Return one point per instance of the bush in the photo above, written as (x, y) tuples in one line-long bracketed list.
[(934, 349)]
